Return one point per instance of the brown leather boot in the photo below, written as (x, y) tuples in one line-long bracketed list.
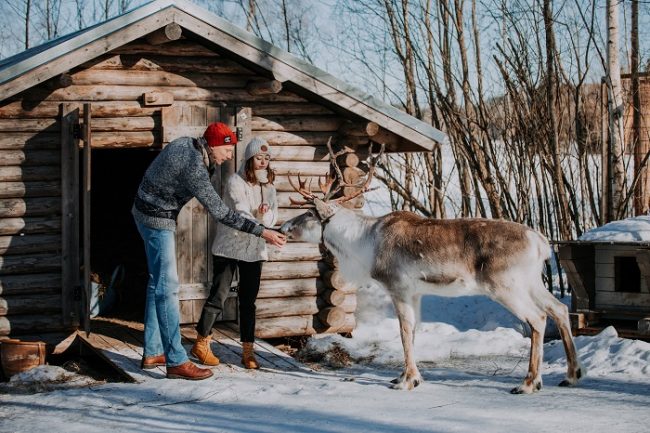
[(188, 371), (202, 351), (248, 357), (149, 362)]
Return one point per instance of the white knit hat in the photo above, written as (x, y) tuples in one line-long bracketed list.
[(255, 146)]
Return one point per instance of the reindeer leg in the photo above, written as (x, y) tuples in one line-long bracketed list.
[(560, 314), (411, 377), (533, 380), (525, 308)]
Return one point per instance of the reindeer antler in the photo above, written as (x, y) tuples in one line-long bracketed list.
[(303, 189), (326, 186)]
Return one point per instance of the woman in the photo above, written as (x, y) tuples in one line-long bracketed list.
[(181, 171), (250, 192)]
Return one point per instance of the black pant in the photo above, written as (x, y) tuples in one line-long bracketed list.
[(249, 286)]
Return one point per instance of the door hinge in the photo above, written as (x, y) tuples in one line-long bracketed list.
[(240, 133)]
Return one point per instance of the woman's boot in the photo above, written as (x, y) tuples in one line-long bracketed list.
[(248, 357), (202, 351)]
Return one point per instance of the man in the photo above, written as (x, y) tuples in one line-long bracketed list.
[(179, 173)]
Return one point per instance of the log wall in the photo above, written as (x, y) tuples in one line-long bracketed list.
[(184, 74)]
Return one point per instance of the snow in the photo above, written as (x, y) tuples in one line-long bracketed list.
[(470, 352), (635, 229)]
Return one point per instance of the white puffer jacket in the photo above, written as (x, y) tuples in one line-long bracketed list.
[(245, 198)]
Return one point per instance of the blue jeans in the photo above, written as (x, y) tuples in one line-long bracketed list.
[(161, 316)]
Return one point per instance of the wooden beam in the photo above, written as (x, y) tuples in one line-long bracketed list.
[(171, 32), (359, 128), (264, 87), (156, 98)]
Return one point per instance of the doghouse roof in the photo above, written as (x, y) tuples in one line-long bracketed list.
[(35, 65)]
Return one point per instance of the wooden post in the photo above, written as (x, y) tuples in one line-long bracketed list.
[(69, 214), (171, 32), (86, 194), (256, 88)]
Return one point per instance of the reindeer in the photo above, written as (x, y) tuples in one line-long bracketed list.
[(412, 256)]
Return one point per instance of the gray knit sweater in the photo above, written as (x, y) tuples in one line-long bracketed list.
[(176, 175)]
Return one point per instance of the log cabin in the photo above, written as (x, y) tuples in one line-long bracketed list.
[(82, 116)]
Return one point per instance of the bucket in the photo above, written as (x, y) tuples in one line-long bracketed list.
[(17, 356)]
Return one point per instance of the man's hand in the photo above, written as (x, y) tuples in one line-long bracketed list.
[(274, 238)]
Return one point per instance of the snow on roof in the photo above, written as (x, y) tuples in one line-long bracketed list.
[(636, 229)]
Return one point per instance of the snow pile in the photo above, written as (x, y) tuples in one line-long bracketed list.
[(605, 355), (635, 229), (45, 378)]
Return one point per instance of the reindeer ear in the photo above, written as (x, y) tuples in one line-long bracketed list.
[(324, 210)]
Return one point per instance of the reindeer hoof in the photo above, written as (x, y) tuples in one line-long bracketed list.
[(406, 383), (527, 388)]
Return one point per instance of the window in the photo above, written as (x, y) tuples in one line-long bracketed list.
[(627, 275)]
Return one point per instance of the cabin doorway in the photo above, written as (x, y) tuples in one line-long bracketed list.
[(118, 263)]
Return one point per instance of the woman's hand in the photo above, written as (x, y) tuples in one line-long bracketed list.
[(263, 208), (274, 238)]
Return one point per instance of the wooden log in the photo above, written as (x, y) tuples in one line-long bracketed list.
[(125, 124), (30, 157), (59, 81), (290, 288), (30, 141), (294, 138), (334, 297), (30, 304), (116, 77), (175, 64), (29, 189), (348, 326), (109, 140), (297, 124), (16, 226), (47, 109), (300, 153), (359, 128), (35, 283), (292, 270), (263, 87), (332, 316), (134, 93), (295, 251), (171, 32), (19, 207), (157, 99), (277, 307), (17, 325), (29, 125), (30, 263), (307, 168), (306, 109), (17, 173), (274, 327), (12, 245), (334, 279), (175, 48)]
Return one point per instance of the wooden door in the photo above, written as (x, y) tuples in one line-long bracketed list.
[(195, 227)]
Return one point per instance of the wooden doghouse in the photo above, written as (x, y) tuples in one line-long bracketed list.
[(82, 116), (611, 285)]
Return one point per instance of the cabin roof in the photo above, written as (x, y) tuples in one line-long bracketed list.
[(35, 65)]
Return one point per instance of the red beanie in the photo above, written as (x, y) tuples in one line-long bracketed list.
[(218, 134)]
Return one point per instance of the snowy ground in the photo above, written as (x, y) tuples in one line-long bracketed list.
[(471, 352), (470, 358)]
